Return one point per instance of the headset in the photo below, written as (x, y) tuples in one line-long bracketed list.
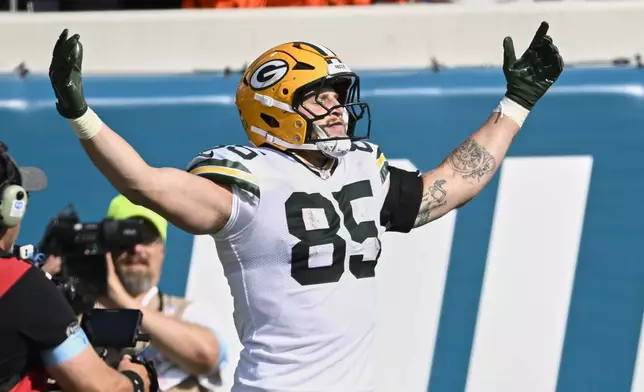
[(13, 197)]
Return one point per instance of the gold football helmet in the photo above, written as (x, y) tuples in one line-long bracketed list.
[(273, 88)]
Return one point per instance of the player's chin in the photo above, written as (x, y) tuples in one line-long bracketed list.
[(338, 130)]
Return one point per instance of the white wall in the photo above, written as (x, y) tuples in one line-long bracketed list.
[(377, 37)]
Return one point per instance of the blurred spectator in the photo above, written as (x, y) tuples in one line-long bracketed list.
[(30, 5)]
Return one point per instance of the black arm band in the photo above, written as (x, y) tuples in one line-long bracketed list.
[(403, 200), (137, 381)]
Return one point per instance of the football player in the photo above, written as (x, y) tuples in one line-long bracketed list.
[(297, 215)]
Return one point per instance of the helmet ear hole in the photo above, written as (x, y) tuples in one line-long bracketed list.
[(303, 67), (270, 120)]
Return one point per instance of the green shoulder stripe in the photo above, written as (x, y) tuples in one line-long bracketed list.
[(227, 172), (383, 165)]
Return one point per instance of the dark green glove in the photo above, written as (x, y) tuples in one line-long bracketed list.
[(532, 75), (66, 77)]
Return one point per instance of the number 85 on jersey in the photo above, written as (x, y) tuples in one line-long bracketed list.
[(317, 243)]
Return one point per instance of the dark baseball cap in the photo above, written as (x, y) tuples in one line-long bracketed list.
[(29, 177)]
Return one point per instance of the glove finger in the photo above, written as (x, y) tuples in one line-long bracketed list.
[(561, 62), (537, 63), (551, 63), (509, 56), (544, 41), (61, 40), (69, 48), (557, 68), (551, 52), (553, 48), (77, 54), (538, 36)]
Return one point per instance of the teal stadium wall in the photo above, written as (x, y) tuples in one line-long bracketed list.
[(556, 239)]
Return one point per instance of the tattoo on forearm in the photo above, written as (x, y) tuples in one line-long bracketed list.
[(471, 160), (433, 198)]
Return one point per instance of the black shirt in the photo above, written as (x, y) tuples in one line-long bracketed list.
[(34, 316)]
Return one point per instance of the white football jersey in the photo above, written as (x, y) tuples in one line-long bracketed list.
[(299, 254)]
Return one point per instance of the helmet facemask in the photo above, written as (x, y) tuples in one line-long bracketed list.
[(347, 86)]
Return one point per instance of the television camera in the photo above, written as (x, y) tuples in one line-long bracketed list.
[(82, 248)]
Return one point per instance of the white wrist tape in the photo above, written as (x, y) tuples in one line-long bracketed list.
[(87, 125), (516, 112)]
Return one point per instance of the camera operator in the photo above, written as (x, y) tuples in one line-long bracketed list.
[(39, 332), (185, 348)]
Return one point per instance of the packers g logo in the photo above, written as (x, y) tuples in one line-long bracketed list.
[(268, 74)]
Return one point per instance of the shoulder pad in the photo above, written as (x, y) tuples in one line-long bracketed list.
[(376, 154), (227, 165)]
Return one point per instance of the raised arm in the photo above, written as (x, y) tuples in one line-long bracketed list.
[(192, 203), (469, 167)]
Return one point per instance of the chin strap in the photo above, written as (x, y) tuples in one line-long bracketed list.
[(332, 148), (326, 147)]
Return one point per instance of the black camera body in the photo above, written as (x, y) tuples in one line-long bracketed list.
[(113, 330), (82, 248)]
